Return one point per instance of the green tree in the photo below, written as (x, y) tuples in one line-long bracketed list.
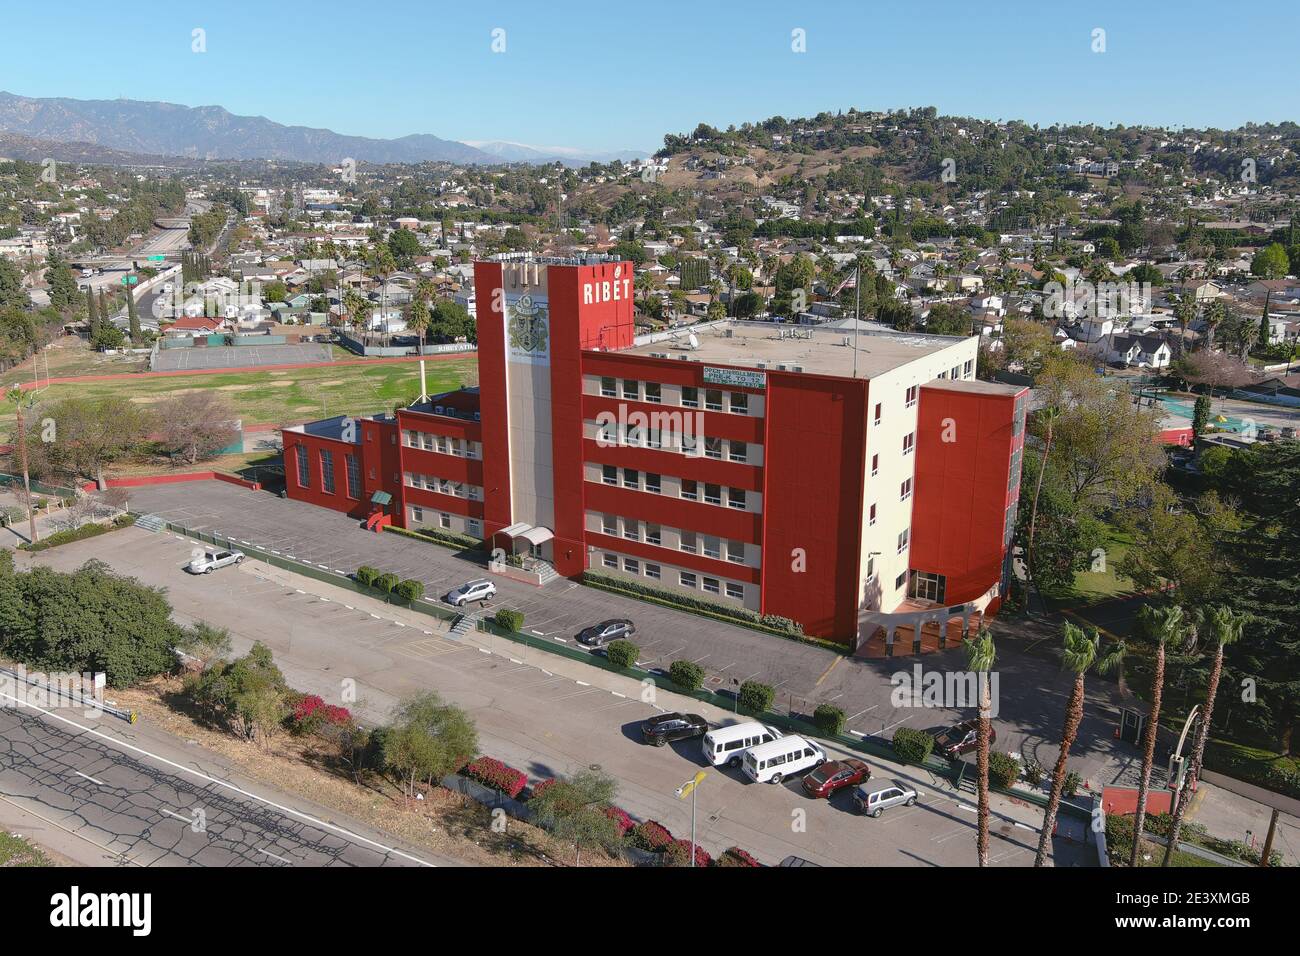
[(428, 740), (1270, 262), (63, 291), (980, 655), (574, 811), (1200, 415), (133, 317), (1159, 627), (404, 246)]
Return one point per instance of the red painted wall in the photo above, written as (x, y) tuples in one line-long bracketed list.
[(815, 448), (492, 396), (296, 443), (962, 488)]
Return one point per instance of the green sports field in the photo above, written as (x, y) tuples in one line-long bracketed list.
[(290, 395)]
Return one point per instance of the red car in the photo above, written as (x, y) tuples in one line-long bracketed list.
[(835, 775)]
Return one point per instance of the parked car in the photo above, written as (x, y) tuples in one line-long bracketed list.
[(960, 739), (797, 861), (835, 775), (612, 630), (209, 561), (479, 590), (876, 802), (773, 762), (665, 728), (727, 745)]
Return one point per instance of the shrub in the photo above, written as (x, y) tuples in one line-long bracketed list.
[(778, 623), (510, 620), (90, 530), (540, 788), (622, 653), (367, 575), (493, 773), (735, 856), (1072, 781), (912, 746), (620, 818), (687, 675), (650, 835), (387, 582), (410, 589), (1004, 770), (678, 853), (311, 714), (1033, 772), (829, 719), (756, 696)]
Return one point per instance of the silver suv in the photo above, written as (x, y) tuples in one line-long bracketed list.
[(874, 803), (479, 590)]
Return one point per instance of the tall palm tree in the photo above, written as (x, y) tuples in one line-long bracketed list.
[(980, 655), (1160, 626), (1080, 653), (1226, 626), (1113, 662)]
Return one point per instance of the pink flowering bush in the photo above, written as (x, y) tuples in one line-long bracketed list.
[(493, 773)]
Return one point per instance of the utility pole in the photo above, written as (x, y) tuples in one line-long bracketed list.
[(857, 309), (688, 790), (1268, 840)]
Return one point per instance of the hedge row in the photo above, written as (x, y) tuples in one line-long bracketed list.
[(497, 775), (447, 539), (91, 530)]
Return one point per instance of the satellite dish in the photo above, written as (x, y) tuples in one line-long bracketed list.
[(695, 343)]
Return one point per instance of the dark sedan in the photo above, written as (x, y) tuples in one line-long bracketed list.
[(960, 739), (601, 634), (835, 775), (665, 728)]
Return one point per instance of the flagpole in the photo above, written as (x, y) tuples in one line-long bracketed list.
[(857, 310)]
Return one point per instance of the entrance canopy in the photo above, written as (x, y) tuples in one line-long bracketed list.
[(531, 534)]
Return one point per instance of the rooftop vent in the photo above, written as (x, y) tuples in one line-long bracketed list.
[(438, 409)]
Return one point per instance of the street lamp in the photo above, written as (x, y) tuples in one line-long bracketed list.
[(688, 790)]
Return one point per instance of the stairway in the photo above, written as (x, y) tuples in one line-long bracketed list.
[(546, 572), (151, 523), (464, 624)]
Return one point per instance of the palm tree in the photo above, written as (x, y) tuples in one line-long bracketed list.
[(20, 400), (1080, 653), (1226, 625), (1113, 662), (1159, 625), (980, 655)]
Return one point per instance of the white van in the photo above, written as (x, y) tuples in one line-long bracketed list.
[(728, 744), (772, 763)]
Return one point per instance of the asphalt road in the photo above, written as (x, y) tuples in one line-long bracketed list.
[(112, 798), (547, 715)]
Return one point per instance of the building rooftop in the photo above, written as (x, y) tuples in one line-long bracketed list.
[(976, 386), (812, 349), (329, 428)]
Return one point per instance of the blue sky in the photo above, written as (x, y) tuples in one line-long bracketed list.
[(620, 75)]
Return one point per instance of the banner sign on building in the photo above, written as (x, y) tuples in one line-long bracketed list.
[(736, 377), (528, 328)]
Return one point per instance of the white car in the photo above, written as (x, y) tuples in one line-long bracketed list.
[(479, 590), (209, 561)]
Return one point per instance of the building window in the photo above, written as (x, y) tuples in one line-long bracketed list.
[(610, 561), (632, 529), (871, 567), (690, 396), (713, 448), (631, 566), (631, 388), (444, 519), (652, 571), (912, 394), (609, 474), (417, 514), (712, 494), (608, 388), (737, 451), (905, 491), (927, 586), (652, 483), (735, 592), (690, 489), (427, 442), (652, 533), (900, 580), (943, 376), (653, 393), (712, 585), (631, 478), (473, 527), (712, 546), (904, 537), (736, 552), (968, 369), (609, 524), (956, 372), (736, 498), (871, 515), (688, 542), (740, 403), (304, 481), (327, 471), (686, 579), (713, 399), (875, 465), (909, 442), (354, 477), (877, 416)]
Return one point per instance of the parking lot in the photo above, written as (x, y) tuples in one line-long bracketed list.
[(1031, 693), (549, 715)]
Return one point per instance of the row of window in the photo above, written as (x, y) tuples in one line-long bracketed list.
[(444, 486), (710, 546), (685, 579), (690, 489), (444, 444), (472, 525), (328, 485), (634, 436), (736, 402)]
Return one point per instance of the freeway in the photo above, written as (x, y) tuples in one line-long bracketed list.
[(109, 795)]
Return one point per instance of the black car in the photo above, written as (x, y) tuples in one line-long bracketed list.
[(600, 634), (665, 728), (960, 739)]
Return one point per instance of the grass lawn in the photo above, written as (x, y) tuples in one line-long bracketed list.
[(1092, 586), (15, 851), (289, 395), (70, 356)]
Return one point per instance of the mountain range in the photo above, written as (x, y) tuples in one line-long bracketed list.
[(154, 129)]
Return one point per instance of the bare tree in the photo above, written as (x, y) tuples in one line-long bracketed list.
[(196, 425)]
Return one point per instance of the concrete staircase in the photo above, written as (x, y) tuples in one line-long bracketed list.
[(151, 523), (464, 624), (546, 572)]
